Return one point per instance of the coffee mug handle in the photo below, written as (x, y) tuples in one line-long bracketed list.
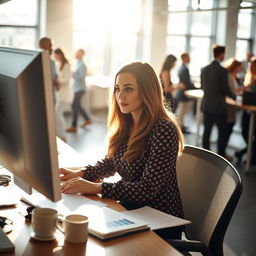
[(58, 226)]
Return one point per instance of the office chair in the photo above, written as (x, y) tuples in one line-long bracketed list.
[(210, 188)]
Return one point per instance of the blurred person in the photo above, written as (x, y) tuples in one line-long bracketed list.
[(168, 86), (242, 73), (184, 103), (144, 142), (214, 83), (45, 43), (79, 75), (250, 85), (64, 93), (234, 67)]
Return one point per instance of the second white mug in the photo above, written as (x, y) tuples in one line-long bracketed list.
[(75, 228)]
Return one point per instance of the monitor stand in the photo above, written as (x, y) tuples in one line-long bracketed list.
[(23, 185)]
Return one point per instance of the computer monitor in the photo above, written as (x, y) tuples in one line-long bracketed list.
[(28, 145), (3, 1)]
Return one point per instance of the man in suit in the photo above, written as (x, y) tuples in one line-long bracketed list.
[(214, 83), (184, 103)]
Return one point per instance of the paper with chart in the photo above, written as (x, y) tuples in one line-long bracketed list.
[(156, 219), (107, 223)]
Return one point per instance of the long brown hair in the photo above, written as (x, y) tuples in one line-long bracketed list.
[(120, 124), (63, 58), (168, 63), (232, 64)]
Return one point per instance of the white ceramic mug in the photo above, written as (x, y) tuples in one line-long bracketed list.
[(44, 222), (75, 228)]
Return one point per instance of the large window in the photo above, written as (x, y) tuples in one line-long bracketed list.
[(200, 48), (191, 31), (109, 31), (19, 23), (201, 23), (245, 30)]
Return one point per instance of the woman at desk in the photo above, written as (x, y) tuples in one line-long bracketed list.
[(144, 142)]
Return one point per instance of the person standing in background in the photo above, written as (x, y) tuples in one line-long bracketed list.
[(242, 73), (234, 67), (78, 76), (64, 94), (184, 103), (250, 85), (165, 78), (45, 43), (214, 83)]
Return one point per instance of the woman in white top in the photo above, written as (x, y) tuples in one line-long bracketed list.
[(64, 93)]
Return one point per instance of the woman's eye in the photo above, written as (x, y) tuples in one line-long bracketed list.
[(128, 89), (117, 89)]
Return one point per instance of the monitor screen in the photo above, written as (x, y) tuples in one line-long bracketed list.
[(27, 120)]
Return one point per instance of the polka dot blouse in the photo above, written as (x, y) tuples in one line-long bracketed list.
[(150, 180)]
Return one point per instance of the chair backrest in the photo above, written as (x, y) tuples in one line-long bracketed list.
[(210, 188)]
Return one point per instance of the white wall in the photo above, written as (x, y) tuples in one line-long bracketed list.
[(158, 32), (59, 24), (231, 27)]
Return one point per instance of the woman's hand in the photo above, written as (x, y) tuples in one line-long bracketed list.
[(78, 185), (180, 86), (68, 174)]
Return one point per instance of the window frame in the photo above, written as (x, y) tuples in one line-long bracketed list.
[(36, 27)]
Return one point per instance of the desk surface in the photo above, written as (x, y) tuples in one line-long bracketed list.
[(143, 243), (198, 94)]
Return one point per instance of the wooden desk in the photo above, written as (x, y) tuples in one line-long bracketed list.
[(198, 95), (143, 243)]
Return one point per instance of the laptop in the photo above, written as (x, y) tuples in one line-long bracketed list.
[(249, 98)]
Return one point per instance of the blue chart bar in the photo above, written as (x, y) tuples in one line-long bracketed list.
[(118, 223)]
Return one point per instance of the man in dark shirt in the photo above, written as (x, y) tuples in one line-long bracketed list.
[(214, 82)]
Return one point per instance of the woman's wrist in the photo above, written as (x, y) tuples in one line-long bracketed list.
[(98, 187), (81, 173)]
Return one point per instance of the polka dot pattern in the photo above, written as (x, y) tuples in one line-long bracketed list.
[(150, 180)]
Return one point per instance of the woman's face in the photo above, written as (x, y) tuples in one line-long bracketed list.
[(238, 69), (173, 64), (57, 57), (127, 94)]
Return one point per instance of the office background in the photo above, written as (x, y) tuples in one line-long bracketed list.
[(116, 32)]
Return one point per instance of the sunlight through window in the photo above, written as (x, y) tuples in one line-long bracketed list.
[(18, 23), (108, 31)]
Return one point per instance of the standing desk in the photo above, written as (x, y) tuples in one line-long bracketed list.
[(142, 243), (198, 95)]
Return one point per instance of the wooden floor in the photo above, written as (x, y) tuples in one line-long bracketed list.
[(240, 239)]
